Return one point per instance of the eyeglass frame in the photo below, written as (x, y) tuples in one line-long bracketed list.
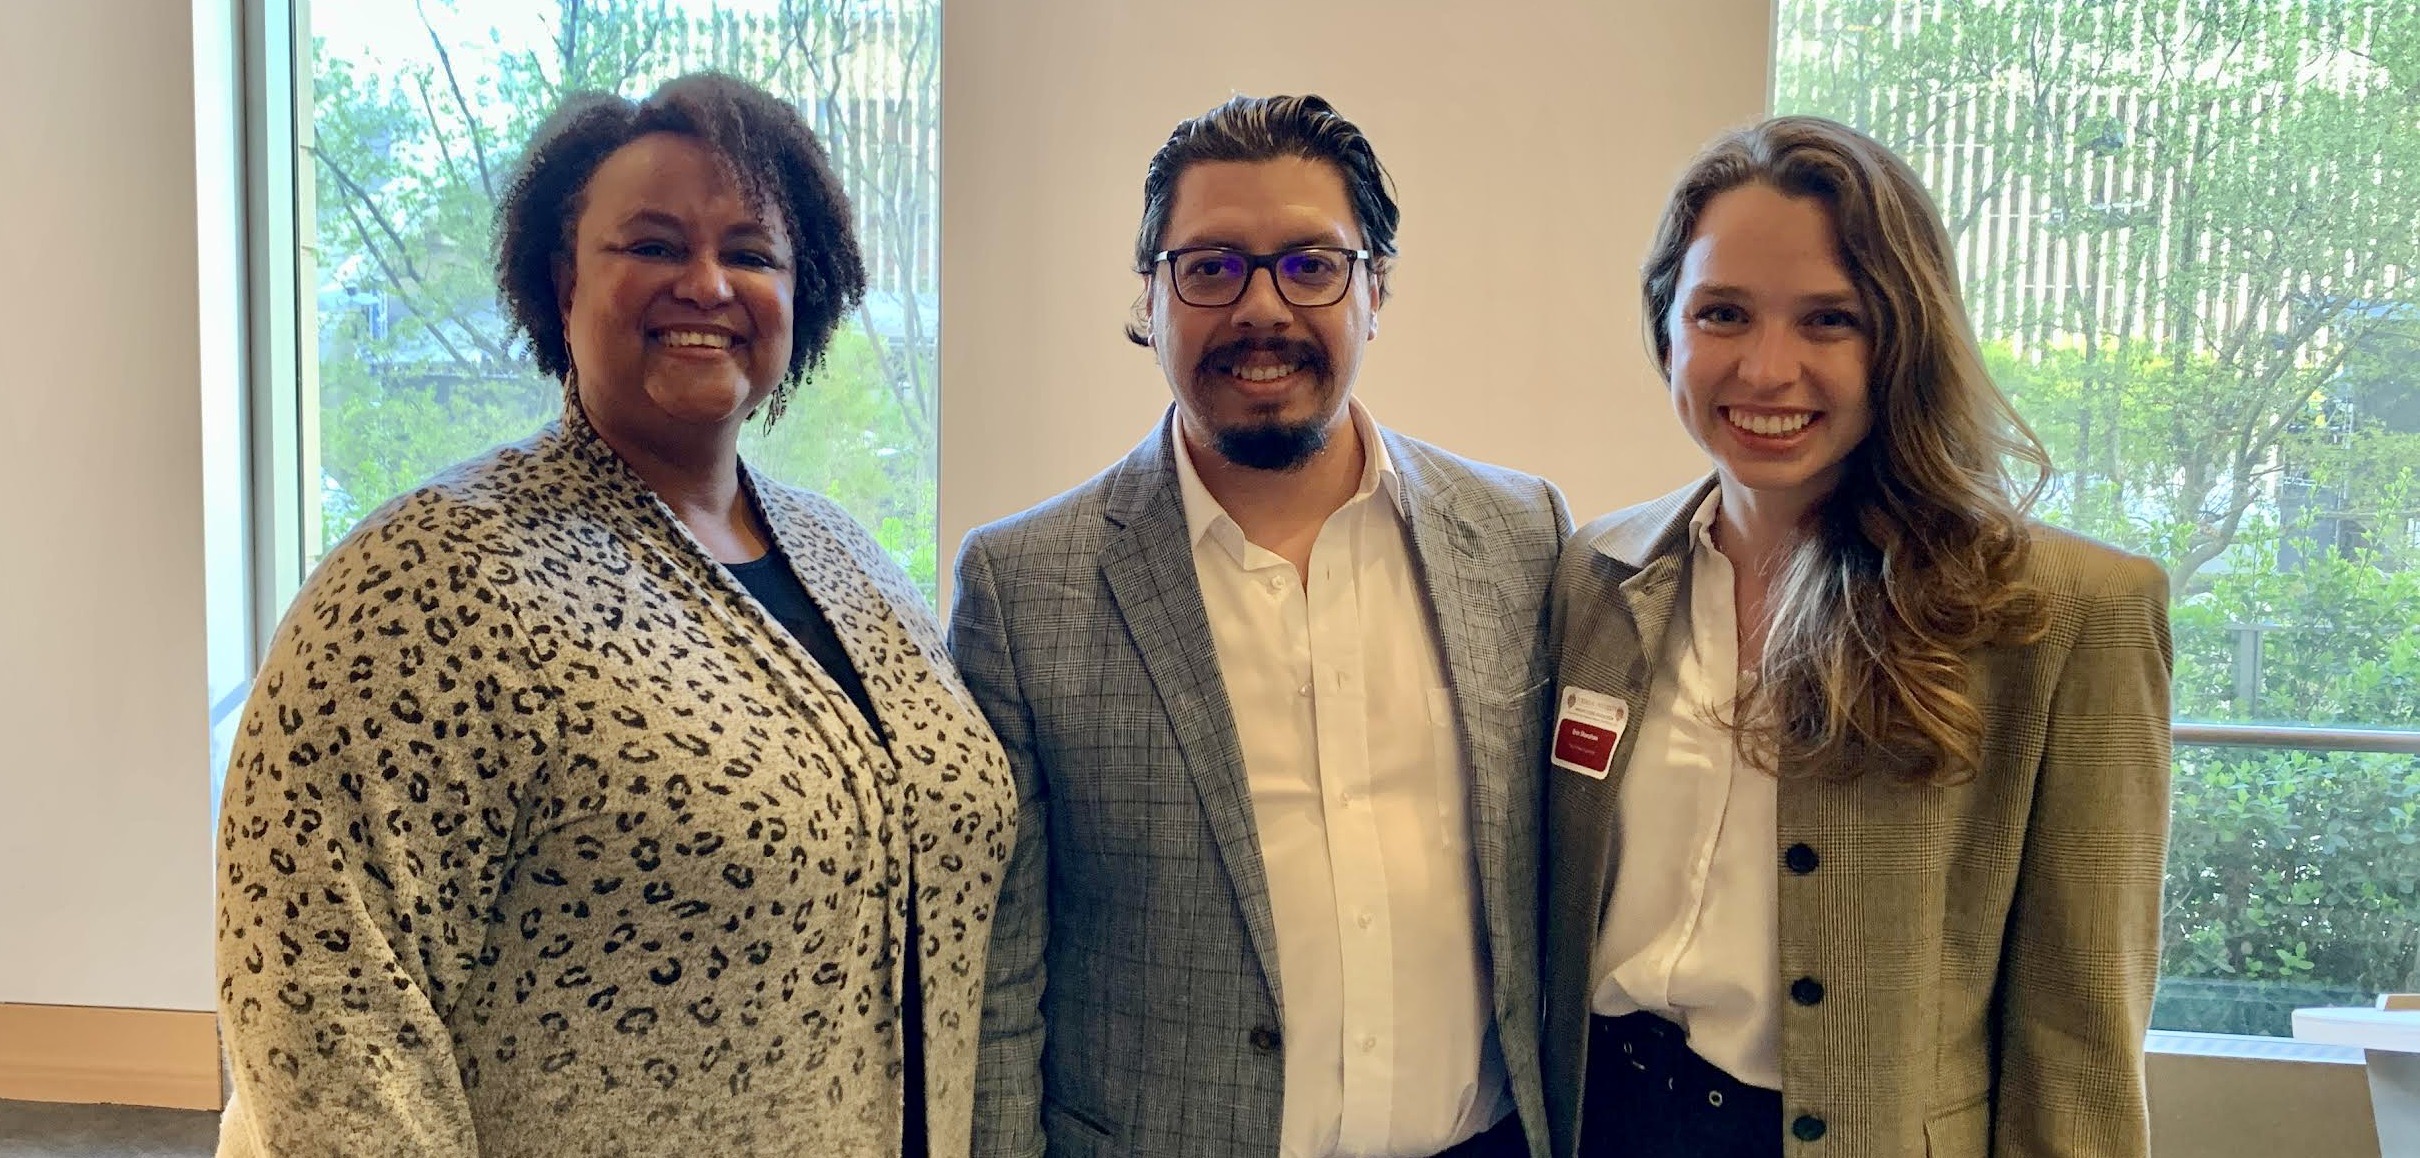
[(1256, 262)]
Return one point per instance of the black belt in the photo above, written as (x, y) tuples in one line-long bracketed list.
[(1650, 1096)]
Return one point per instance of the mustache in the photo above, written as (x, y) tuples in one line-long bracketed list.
[(1222, 358)]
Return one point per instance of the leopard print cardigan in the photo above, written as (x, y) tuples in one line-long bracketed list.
[(541, 837)]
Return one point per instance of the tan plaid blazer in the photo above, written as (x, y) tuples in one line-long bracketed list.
[(1986, 952)]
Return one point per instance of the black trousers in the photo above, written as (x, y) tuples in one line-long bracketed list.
[(1650, 1096), (1503, 1140)]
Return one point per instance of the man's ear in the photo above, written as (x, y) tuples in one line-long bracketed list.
[(563, 281), (1138, 319)]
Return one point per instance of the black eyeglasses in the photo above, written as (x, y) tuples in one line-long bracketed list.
[(1214, 276)]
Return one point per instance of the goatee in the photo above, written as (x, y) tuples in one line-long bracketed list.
[(1276, 446)]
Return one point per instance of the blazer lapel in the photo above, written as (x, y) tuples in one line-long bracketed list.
[(1471, 621), (1149, 567), (1611, 642), (1468, 606)]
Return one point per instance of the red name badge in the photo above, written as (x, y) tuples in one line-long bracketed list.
[(1588, 727)]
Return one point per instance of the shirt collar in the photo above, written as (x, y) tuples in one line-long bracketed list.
[(1205, 517), (1701, 524)]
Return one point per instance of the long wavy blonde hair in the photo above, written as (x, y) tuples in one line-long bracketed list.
[(1916, 559)]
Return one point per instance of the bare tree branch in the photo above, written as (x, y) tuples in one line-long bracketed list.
[(357, 192), (428, 105), (470, 120), (409, 283), (362, 229)]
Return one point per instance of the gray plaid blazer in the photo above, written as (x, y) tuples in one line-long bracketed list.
[(1132, 998), (1982, 954)]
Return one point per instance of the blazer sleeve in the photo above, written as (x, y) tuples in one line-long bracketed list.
[(2083, 949), (1008, 1068), (372, 799)]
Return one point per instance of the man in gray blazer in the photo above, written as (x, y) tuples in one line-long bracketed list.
[(1274, 688)]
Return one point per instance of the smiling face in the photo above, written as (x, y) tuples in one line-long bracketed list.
[(1772, 348), (1262, 382), (677, 303)]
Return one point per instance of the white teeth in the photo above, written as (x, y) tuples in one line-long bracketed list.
[(1262, 373), (1770, 424), (696, 338)]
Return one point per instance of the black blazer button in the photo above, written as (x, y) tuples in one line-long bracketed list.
[(1808, 1128), (1806, 991), (1265, 1039), (1801, 859)]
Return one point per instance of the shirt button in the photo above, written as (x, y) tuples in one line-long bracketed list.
[(1368, 1043), (1801, 859), (1364, 919), (1808, 1128), (1304, 691), (1806, 991), (1345, 798)]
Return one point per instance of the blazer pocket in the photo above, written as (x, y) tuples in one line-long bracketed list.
[(1070, 1134), (1964, 1132)]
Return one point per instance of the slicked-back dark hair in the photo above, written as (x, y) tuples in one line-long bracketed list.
[(1254, 129), (775, 158)]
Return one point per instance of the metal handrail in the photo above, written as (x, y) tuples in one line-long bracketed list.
[(2305, 738)]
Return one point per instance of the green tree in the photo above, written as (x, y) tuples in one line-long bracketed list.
[(2201, 210)]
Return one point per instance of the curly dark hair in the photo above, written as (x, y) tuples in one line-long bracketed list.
[(772, 152)]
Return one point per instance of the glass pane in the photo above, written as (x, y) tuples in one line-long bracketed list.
[(2291, 883), (2190, 241), (418, 112)]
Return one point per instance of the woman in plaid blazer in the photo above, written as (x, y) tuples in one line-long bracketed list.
[(1858, 794)]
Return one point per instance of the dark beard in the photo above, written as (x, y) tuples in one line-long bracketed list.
[(1271, 446), (1274, 446)]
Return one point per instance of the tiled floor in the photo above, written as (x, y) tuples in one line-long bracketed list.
[(41, 1130)]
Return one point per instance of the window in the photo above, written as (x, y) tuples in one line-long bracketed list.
[(405, 126), (2190, 239)]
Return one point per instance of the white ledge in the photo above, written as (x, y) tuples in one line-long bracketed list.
[(2249, 1048), (2392, 1030)]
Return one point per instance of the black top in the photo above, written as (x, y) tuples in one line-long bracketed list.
[(776, 586)]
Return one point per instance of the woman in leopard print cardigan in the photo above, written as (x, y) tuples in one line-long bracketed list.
[(600, 797)]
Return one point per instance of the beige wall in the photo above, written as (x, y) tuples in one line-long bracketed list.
[(105, 843), (1531, 150), (2251, 1107)]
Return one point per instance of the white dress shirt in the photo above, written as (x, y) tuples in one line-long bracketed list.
[(1362, 802), (1692, 929)]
